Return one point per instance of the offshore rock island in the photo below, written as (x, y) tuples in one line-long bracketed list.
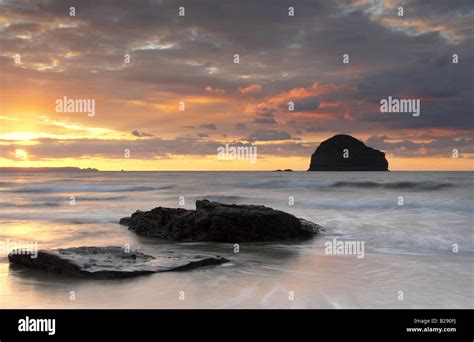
[(345, 153)]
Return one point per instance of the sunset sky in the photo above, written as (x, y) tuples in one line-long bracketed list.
[(46, 54)]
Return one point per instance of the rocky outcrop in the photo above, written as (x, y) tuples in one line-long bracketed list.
[(345, 153), (212, 221), (108, 262)]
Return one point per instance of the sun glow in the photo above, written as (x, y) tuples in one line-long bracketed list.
[(21, 154)]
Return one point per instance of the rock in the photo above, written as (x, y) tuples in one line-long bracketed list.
[(108, 262), (212, 221), (329, 156), (285, 170)]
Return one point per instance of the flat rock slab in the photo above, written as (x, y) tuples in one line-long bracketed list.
[(218, 222), (109, 262)]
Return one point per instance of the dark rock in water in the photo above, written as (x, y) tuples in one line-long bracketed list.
[(212, 221), (108, 262), (345, 153), (285, 170)]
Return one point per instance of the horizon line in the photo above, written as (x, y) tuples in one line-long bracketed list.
[(91, 170)]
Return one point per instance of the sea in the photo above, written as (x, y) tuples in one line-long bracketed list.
[(416, 229)]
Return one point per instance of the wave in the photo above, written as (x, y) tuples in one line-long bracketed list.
[(305, 184), (389, 205), (426, 186), (57, 201), (92, 199), (87, 188)]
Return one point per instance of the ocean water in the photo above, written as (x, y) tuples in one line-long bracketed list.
[(408, 262)]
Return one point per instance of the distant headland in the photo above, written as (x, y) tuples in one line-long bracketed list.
[(46, 169)]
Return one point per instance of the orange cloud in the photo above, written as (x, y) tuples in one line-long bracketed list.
[(217, 91), (326, 110), (348, 117), (317, 89), (253, 88)]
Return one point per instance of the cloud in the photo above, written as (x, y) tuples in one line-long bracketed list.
[(297, 60), (240, 126), (141, 134), (267, 135), (217, 91), (251, 89), (266, 121), (209, 126), (154, 148), (348, 117), (307, 104), (436, 147)]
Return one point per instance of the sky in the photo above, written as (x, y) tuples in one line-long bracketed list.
[(168, 91)]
